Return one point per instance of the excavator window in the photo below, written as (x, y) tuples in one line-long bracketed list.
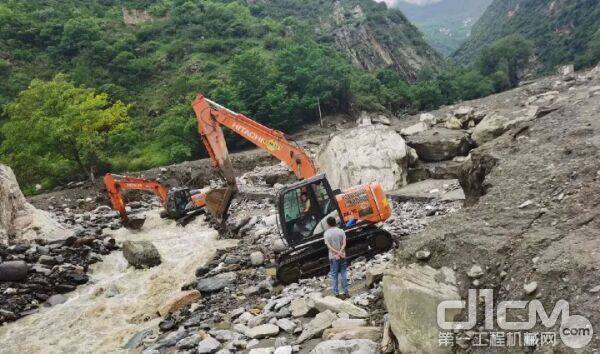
[(304, 205)]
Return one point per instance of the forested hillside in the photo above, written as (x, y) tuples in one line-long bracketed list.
[(271, 59), (105, 85), (446, 24), (563, 31)]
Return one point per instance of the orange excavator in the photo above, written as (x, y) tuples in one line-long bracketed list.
[(303, 207), (179, 203)]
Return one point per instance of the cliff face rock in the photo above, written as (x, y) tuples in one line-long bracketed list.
[(379, 40), (369, 34), (19, 220), (562, 30)]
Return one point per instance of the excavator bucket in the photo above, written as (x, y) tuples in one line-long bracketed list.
[(134, 223), (218, 200)]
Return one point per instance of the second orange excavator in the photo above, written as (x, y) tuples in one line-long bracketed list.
[(304, 206), (179, 203)]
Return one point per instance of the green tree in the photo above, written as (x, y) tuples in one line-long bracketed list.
[(511, 52), (55, 128), (427, 95)]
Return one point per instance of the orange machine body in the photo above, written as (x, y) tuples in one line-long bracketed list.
[(116, 183), (367, 202), (363, 203)]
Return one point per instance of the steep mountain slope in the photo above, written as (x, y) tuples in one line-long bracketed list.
[(563, 30), (446, 23), (273, 60), (369, 34)]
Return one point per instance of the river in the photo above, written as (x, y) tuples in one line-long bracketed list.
[(118, 301)]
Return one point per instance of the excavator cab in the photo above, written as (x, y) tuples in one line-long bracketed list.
[(304, 208), (177, 202)]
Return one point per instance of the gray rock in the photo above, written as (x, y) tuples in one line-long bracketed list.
[(428, 119), (262, 331), (475, 272), (423, 255), (353, 346), (47, 260), (257, 258), (414, 129), (316, 327), (489, 128), (345, 333), (13, 271), (419, 288), (287, 325), (453, 123), (280, 342), (216, 283), (189, 342), (287, 349), (530, 288), (141, 254), (440, 144), (137, 339), (301, 308), (208, 345), (349, 322), (378, 153), (262, 351), (336, 305), (279, 246), (56, 299)]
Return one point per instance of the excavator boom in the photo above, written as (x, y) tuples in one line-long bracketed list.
[(211, 117), (116, 183)]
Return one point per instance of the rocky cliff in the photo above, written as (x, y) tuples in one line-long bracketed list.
[(19, 220), (562, 30), (368, 33)]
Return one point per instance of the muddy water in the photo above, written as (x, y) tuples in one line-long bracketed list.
[(119, 301)]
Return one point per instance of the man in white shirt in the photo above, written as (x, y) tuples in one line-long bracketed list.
[(335, 239)]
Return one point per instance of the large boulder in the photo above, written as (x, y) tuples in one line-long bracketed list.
[(494, 125), (354, 346), (439, 144), (317, 325), (216, 283), (262, 331), (141, 254), (13, 271), (338, 306), (365, 154), (412, 295), (19, 220)]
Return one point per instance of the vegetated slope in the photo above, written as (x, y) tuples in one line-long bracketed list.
[(368, 33), (446, 24), (563, 30), (270, 59)]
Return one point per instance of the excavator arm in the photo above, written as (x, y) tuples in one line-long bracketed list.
[(211, 118), (116, 183)]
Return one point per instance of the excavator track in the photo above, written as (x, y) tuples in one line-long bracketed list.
[(313, 260)]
